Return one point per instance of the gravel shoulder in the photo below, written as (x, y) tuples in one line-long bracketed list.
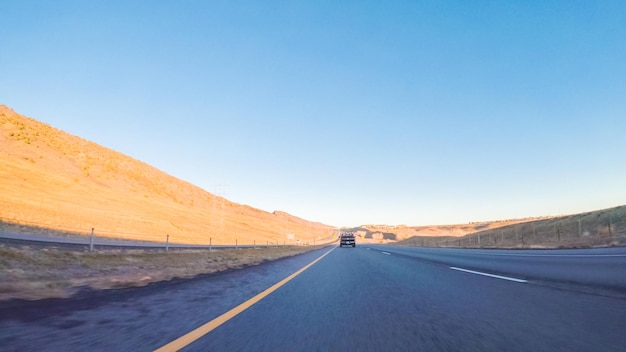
[(38, 273)]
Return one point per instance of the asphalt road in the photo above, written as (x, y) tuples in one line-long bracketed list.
[(368, 298)]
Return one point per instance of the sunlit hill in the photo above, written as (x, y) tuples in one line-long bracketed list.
[(55, 180)]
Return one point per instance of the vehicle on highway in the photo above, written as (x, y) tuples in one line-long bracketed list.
[(347, 239)]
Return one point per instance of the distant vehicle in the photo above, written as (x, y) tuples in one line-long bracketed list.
[(347, 239)]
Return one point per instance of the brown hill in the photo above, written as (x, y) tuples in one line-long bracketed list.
[(386, 233), (56, 180), (606, 227)]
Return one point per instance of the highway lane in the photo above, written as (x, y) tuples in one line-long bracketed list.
[(354, 299), (363, 300), (601, 270), (135, 319)]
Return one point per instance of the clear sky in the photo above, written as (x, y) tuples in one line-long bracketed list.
[(343, 112)]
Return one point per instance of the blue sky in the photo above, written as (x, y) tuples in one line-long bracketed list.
[(343, 112)]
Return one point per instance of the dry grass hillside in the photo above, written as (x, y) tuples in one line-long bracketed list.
[(55, 180), (605, 227)]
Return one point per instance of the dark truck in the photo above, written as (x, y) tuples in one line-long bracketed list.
[(347, 239)]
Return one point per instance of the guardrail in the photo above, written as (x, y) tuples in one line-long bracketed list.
[(25, 231), (90, 243)]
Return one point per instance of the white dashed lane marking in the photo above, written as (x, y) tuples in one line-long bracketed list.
[(489, 275)]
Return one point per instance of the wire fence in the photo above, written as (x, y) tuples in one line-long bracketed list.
[(602, 228), (30, 230), (594, 229)]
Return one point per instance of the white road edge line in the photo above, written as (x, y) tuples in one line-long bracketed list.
[(548, 255), (490, 275), (387, 253)]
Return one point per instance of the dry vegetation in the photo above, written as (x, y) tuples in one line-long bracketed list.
[(592, 229), (55, 180), (30, 273)]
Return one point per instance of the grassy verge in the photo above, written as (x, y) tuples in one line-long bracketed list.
[(29, 273)]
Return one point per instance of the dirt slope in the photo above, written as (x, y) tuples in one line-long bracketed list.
[(56, 180)]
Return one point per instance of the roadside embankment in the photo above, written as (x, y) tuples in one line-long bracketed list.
[(36, 273)]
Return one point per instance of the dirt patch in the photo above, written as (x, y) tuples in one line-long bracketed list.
[(30, 273)]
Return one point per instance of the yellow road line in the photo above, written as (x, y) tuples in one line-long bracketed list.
[(208, 327)]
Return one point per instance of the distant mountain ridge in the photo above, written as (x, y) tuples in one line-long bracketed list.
[(388, 233), (56, 179)]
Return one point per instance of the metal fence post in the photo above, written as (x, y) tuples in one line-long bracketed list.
[(580, 228), (210, 243), (167, 243), (91, 241)]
